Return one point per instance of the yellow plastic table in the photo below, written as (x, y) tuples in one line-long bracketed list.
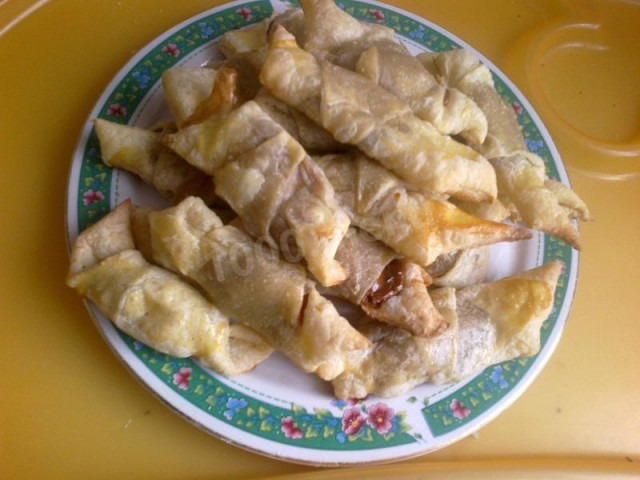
[(69, 409)]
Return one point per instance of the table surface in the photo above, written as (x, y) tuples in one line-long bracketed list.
[(69, 409)]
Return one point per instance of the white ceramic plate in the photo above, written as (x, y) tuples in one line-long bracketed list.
[(277, 410)]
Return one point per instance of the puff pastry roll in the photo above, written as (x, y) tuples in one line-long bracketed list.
[(460, 69), (279, 191), (358, 112), (329, 28), (141, 152), (211, 144), (389, 289), (448, 109), (372, 51), (271, 183), (335, 35), (535, 200), (569, 200), (152, 304), (253, 285), (417, 226), (398, 360), (523, 185), (488, 324), (512, 310)]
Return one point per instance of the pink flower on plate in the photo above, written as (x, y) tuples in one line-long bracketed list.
[(115, 109), (380, 417), (517, 107), (352, 421), (181, 379), (459, 410), (377, 14), (289, 428), (171, 49), (245, 13), (92, 196)]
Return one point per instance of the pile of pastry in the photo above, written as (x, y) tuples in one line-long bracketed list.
[(322, 160)]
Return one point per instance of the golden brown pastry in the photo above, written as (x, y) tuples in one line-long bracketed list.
[(271, 183), (359, 112), (153, 305), (416, 225), (268, 179), (388, 288), (524, 188), (468, 266), (488, 324), (523, 184), (283, 196), (329, 28), (460, 69), (353, 86), (141, 152), (400, 361), (223, 98), (249, 282), (211, 144), (108, 237), (448, 109), (334, 35), (569, 200), (184, 89)]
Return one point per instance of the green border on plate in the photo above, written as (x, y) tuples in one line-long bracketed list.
[(318, 429)]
